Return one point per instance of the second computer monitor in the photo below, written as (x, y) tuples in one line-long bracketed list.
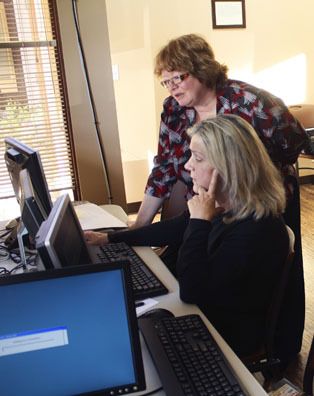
[(19, 156), (60, 240)]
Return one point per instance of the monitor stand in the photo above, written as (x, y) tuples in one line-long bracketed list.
[(23, 235), (20, 233)]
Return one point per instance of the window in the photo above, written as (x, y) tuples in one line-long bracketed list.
[(7, 75), (33, 106)]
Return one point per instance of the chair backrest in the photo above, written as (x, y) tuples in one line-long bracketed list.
[(176, 204), (309, 372), (304, 113), (276, 304), (266, 358), (291, 241)]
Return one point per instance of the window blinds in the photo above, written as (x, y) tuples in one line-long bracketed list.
[(32, 100)]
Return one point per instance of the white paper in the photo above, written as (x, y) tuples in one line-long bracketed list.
[(148, 304), (92, 217)]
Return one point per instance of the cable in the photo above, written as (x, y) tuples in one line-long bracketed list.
[(14, 256), (4, 271), (4, 254), (91, 97), (4, 233)]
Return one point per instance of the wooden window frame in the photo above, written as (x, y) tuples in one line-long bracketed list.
[(44, 105)]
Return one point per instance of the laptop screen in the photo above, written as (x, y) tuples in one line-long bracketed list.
[(69, 331), (60, 241)]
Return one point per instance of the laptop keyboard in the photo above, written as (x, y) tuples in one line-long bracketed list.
[(187, 358), (144, 282)]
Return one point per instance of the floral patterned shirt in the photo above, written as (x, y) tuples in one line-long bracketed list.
[(280, 132)]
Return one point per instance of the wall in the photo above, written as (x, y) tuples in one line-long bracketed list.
[(275, 52), (131, 50), (94, 33)]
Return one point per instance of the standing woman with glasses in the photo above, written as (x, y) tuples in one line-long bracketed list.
[(199, 88)]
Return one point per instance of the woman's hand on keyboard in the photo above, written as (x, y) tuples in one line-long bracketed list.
[(96, 238)]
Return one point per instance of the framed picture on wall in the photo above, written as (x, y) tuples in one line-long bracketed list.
[(228, 14)]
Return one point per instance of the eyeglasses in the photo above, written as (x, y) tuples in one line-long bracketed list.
[(176, 80)]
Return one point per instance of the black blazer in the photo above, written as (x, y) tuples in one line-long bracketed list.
[(228, 270)]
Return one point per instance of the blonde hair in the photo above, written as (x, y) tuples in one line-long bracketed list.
[(192, 54), (249, 178)]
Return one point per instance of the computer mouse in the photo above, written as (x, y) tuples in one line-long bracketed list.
[(158, 313)]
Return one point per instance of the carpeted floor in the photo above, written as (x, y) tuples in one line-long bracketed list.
[(296, 369)]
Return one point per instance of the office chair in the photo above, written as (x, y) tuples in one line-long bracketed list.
[(174, 206), (265, 360), (304, 113), (176, 203)]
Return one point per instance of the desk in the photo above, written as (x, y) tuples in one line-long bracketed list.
[(6, 262), (172, 302)]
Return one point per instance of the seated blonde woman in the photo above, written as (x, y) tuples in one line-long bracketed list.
[(233, 241)]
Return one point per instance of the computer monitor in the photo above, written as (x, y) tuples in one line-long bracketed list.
[(60, 240), (70, 331), (31, 213), (19, 156)]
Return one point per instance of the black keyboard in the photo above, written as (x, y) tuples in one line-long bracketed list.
[(187, 358), (144, 282)]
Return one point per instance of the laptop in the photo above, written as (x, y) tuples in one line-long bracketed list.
[(69, 331)]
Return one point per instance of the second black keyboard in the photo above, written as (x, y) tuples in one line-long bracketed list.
[(144, 282), (187, 358)]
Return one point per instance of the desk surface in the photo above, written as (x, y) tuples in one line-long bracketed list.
[(172, 302)]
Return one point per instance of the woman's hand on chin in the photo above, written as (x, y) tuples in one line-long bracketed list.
[(203, 205)]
